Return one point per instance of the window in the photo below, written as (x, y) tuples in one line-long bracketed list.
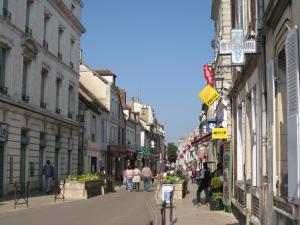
[(46, 21), (71, 101), (69, 161), (24, 81), (254, 160), (73, 8), (58, 87), (72, 42), (6, 13), (60, 33), (43, 87), (2, 68), (28, 31), (240, 143), (103, 131), (93, 128)]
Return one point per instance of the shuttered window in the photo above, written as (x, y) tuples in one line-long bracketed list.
[(292, 75)]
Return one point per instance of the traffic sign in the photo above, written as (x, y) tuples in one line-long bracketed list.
[(208, 95), (219, 133)]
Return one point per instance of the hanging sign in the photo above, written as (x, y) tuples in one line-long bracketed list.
[(208, 74), (237, 47), (208, 95), (219, 133)]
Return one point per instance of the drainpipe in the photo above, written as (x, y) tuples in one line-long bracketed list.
[(266, 174)]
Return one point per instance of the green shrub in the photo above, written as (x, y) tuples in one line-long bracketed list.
[(216, 182), (85, 177), (216, 196), (171, 179)]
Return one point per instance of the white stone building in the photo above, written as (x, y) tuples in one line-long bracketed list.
[(39, 70)]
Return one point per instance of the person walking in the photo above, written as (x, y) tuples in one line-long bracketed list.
[(48, 172), (203, 184), (129, 176), (136, 178), (146, 174), (193, 175)]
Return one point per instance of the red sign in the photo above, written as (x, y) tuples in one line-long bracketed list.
[(208, 74)]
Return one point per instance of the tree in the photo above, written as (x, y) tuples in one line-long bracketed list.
[(172, 152)]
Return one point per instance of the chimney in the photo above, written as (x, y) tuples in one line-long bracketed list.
[(122, 93)]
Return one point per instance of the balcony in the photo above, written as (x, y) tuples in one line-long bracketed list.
[(59, 55), (25, 98), (43, 105), (45, 44), (28, 31), (58, 110), (3, 90), (6, 14)]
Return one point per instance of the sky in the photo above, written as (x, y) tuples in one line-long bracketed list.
[(157, 49)]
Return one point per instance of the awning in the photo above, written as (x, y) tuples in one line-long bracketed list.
[(202, 139)]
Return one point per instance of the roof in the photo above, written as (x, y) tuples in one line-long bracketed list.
[(90, 97), (105, 72)]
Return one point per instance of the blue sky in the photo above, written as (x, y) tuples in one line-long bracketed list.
[(157, 49)]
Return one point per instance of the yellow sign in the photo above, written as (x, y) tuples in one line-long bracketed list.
[(219, 133), (208, 95)]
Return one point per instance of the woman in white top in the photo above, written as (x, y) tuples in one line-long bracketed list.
[(136, 179)]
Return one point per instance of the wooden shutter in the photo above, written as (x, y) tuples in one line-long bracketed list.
[(292, 75)]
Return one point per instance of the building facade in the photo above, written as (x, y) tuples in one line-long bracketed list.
[(39, 48)]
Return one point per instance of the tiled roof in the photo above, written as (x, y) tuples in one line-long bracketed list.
[(104, 72)]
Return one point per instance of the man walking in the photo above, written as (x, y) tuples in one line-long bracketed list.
[(48, 172), (146, 174), (203, 184)]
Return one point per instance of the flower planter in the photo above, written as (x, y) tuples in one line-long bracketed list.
[(82, 189), (216, 205), (180, 190)]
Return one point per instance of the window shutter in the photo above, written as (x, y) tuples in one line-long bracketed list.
[(292, 75)]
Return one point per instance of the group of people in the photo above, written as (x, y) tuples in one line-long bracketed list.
[(203, 178), (133, 177)]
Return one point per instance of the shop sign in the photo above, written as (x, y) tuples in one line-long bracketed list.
[(3, 132), (146, 151), (210, 125), (208, 95), (219, 133), (237, 47), (208, 74)]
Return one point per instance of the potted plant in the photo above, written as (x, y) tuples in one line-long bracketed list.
[(216, 201)]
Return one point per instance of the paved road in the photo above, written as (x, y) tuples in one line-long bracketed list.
[(120, 208)]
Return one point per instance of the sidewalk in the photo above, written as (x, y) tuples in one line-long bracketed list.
[(35, 200), (186, 213)]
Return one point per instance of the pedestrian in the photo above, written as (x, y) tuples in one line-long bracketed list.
[(193, 175), (146, 174), (48, 172), (219, 171), (129, 176), (136, 178), (124, 180), (203, 184)]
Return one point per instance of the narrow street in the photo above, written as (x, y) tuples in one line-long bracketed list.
[(119, 208)]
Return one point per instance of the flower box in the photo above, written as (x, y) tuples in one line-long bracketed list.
[(82, 189)]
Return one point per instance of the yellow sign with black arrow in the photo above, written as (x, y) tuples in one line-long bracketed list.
[(219, 133), (209, 95)]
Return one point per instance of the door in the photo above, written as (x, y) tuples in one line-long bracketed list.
[(41, 165), (1, 168), (56, 175), (22, 167)]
